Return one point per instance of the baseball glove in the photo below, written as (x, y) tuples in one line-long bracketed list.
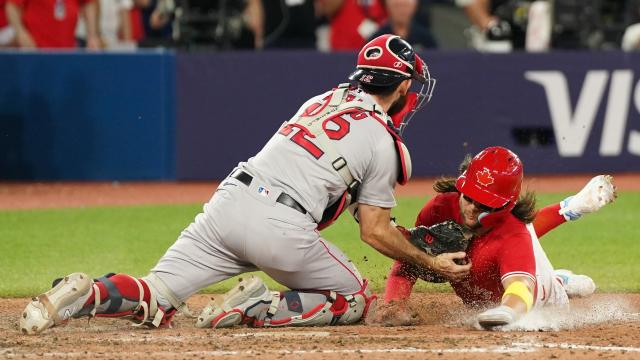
[(447, 236), (444, 237)]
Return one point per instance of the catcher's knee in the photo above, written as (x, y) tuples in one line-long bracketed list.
[(250, 302), (321, 308)]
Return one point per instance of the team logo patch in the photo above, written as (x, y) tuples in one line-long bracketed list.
[(263, 191), (484, 177)]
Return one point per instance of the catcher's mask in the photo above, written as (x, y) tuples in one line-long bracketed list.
[(493, 178), (387, 60)]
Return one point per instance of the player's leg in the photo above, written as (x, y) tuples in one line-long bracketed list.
[(598, 192), (327, 287), (197, 259), (554, 286), (150, 300)]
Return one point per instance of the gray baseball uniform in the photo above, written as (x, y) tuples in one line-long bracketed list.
[(245, 226)]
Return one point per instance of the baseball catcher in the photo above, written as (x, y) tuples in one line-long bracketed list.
[(341, 148)]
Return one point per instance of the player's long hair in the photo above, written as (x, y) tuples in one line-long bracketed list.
[(525, 209)]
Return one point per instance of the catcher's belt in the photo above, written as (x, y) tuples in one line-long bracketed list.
[(283, 198)]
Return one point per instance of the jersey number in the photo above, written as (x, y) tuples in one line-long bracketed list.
[(300, 137)]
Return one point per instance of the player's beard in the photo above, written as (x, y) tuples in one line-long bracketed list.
[(397, 105)]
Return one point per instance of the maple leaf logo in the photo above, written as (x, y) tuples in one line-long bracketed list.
[(484, 177)]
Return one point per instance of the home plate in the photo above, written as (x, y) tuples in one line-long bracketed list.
[(287, 334)]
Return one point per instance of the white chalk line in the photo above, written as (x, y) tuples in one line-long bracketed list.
[(567, 346), (516, 347)]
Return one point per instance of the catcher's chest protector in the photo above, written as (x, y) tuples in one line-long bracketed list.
[(312, 122)]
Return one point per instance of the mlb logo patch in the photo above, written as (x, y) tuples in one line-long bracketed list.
[(263, 191)]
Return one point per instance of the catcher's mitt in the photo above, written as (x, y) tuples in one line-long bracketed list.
[(447, 236), (444, 237)]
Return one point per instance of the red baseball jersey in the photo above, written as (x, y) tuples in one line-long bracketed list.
[(3, 15), (52, 23), (504, 251)]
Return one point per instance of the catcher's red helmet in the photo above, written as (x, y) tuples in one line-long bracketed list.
[(387, 60), (493, 178)]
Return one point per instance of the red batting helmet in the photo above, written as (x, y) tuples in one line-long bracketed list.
[(387, 60), (493, 178)]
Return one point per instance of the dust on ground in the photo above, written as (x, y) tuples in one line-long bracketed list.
[(602, 326), (442, 330)]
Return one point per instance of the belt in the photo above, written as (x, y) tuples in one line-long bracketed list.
[(283, 198)]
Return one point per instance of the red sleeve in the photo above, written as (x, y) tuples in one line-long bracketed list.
[(400, 281), (440, 208), (548, 219), (516, 255)]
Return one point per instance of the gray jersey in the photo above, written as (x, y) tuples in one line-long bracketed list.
[(244, 227), (310, 179)]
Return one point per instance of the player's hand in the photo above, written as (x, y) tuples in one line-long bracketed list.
[(498, 316), (24, 40), (94, 43), (445, 264)]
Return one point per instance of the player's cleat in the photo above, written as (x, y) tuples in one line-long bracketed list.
[(576, 285), (598, 192), (56, 306), (498, 316), (248, 298)]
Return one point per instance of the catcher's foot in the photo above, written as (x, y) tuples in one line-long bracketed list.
[(249, 295), (576, 285), (498, 316), (598, 192), (56, 306)]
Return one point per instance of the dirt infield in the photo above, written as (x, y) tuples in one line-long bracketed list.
[(54, 195), (441, 332), (603, 326)]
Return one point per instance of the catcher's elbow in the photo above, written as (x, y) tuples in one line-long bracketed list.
[(372, 237)]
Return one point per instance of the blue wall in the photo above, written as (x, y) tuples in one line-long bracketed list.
[(194, 116), (87, 116)]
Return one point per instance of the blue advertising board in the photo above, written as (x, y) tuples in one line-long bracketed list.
[(160, 115)]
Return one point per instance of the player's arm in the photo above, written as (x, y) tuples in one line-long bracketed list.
[(517, 300), (400, 281), (477, 12), (377, 231), (90, 12), (13, 9)]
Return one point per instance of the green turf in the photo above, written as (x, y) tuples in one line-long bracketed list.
[(39, 245)]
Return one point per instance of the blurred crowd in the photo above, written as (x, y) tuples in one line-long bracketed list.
[(327, 25)]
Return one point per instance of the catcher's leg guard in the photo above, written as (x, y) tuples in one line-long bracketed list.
[(320, 308), (145, 301), (56, 306), (248, 300), (120, 295)]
